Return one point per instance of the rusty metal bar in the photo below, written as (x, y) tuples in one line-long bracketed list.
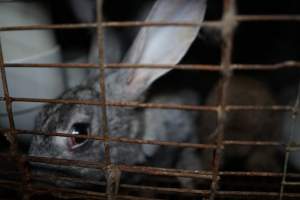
[(125, 186), (249, 18), (274, 66), (73, 193), (204, 173), (112, 173), (166, 172), (258, 174), (130, 104), (240, 18), (151, 105), (229, 108), (291, 183), (105, 24), (253, 143), (48, 26), (102, 100), (154, 171), (242, 174), (84, 197), (12, 136), (292, 132), (153, 142), (126, 168), (159, 171), (51, 65), (56, 190), (204, 67), (233, 194), (160, 23), (166, 189), (228, 28), (123, 139)]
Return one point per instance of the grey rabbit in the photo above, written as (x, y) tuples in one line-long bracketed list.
[(153, 45), (259, 125)]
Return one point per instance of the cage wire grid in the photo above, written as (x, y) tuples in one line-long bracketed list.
[(227, 24)]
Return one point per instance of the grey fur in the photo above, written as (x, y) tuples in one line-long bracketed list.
[(131, 84)]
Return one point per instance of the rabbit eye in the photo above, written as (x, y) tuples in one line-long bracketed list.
[(79, 129)]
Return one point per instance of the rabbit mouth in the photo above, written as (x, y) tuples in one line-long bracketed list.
[(73, 145)]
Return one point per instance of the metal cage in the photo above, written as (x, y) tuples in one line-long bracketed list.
[(227, 25)]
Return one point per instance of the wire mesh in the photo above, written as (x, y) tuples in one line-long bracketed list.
[(227, 25)]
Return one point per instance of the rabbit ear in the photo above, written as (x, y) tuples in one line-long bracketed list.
[(83, 10), (163, 45)]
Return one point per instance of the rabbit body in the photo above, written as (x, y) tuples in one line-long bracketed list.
[(244, 125)]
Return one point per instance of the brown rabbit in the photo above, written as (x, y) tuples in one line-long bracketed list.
[(245, 125)]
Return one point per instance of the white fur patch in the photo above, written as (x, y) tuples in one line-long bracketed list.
[(61, 141)]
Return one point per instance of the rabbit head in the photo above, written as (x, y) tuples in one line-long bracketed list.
[(153, 45)]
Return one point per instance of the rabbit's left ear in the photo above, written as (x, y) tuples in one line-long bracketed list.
[(163, 45)]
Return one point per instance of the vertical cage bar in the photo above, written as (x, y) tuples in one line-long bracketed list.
[(100, 39), (290, 141), (112, 174), (12, 136), (227, 36)]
